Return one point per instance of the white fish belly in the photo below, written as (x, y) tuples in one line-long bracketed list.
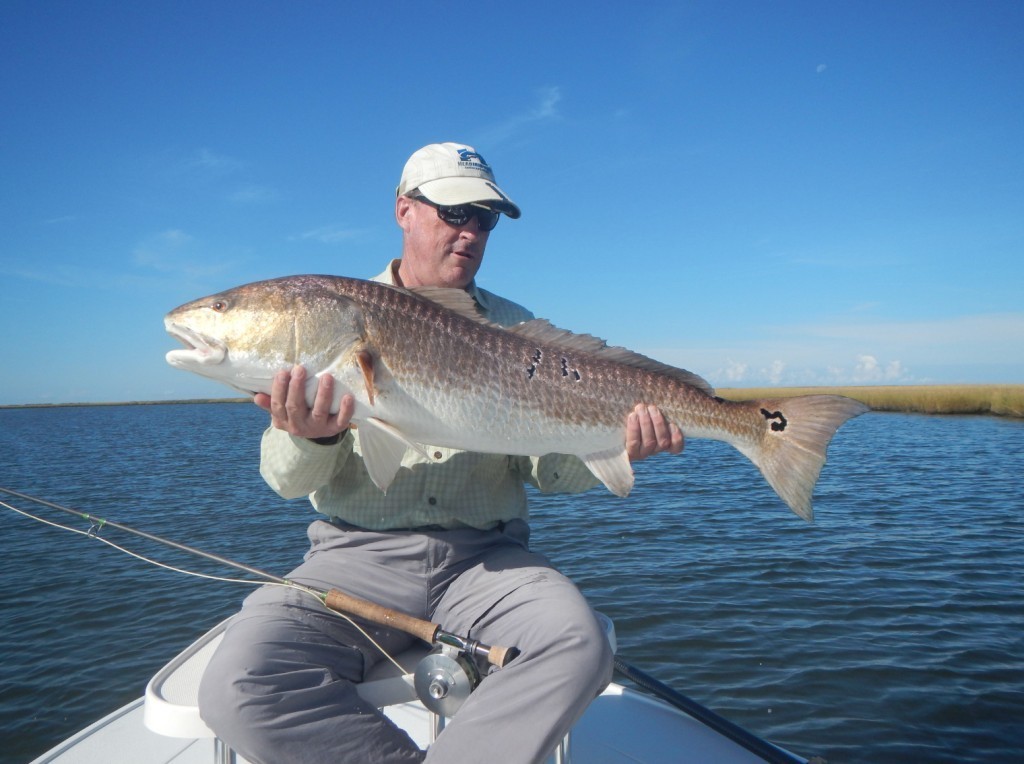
[(484, 423)]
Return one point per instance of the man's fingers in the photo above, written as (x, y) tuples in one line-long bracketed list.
[(649, 432), (295, 400), (346, 408), (321, 410)]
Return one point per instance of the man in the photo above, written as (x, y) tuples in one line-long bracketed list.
[(447, 543)]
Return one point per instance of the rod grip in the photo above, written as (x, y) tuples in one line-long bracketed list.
[(499, 656), (371, 611)]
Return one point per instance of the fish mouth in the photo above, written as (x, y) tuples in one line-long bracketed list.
[(200, 349)]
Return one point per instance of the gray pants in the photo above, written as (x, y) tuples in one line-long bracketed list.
[(280, 688)]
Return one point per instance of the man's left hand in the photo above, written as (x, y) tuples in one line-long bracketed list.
[(648, 433)]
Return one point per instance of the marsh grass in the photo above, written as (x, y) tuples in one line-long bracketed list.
[(1001, 400)]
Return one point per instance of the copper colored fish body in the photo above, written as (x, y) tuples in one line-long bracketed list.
[(424, 368)]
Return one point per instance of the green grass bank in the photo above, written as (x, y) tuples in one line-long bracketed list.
[(999, 400)]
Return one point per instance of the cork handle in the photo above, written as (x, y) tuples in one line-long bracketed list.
[(499, 656), (371, 611)]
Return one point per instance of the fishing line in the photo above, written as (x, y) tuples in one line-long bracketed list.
[(99, 523), (496, 655), (93, 533)]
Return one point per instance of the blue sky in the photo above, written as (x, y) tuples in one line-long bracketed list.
[(763, 193)]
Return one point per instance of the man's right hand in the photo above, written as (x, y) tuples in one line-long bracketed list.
[(290, 412)]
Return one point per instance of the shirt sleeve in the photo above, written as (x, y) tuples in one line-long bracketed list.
[(295, 467)]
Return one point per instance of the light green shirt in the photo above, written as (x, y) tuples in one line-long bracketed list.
[(451, 488)]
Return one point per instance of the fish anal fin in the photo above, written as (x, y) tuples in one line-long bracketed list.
[(383, 446), (612, 468)]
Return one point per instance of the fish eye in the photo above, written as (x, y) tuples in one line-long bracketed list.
[(219, 305)]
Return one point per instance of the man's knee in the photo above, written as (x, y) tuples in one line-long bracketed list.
[(261, 671), (592, 654)]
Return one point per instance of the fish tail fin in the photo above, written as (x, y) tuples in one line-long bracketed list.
[(796, 435)]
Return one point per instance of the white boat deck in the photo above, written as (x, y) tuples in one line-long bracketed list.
[(621, 726)]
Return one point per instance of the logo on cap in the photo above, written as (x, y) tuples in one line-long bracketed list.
[(471, 160)]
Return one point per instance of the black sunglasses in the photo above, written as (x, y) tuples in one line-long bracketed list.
[(460, 214)]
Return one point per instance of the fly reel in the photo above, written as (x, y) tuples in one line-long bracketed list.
[(444, 679)]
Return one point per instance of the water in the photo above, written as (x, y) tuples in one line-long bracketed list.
[(890, 630)]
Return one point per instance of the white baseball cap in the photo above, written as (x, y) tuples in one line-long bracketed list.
[(452, 174)]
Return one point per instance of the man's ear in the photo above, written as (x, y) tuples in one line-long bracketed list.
[(403, 212)]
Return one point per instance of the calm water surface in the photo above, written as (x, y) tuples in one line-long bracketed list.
[(890, 630)]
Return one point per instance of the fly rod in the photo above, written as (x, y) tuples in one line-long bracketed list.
[(333, 599), (770, 753)]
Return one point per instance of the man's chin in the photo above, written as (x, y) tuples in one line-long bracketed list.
[(460, 275)]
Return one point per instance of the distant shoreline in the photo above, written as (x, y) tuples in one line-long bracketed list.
[(121, 403), (995, 400)]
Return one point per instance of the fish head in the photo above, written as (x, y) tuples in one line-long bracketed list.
[(244, 336)]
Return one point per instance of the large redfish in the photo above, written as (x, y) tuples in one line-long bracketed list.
[(425, 368)]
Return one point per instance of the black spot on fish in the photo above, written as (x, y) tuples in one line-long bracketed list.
[(566, 371), (780, 424), (532, 368)]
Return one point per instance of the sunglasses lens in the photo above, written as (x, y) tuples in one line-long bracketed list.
[(486, 219), (457, 216), (461, 214)]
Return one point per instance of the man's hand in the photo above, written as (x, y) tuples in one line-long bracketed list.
[(648, 432), (289, 411)]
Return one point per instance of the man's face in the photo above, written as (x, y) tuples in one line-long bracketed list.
[(435, 253)]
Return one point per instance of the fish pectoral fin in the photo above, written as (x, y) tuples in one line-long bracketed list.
[(366, 366), (383, 447), (612, 468)]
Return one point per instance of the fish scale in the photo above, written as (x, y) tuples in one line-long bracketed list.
[(426, 369)]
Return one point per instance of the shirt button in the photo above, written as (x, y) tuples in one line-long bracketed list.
[(437, 454), (431, 501)]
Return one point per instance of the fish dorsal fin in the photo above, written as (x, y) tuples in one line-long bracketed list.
[(541, 330), (456, 300)]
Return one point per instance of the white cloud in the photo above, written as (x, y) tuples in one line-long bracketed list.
[(253, 194), (869, 370), (734, 371), (775, 372), (330, 234), (977, 348), (162, 250), (213, 163), (227, 177), (177, 252), (544, 110), (547, 108)]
